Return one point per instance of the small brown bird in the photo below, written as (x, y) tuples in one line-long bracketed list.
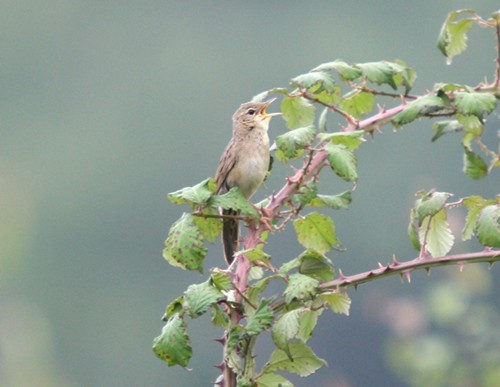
[(243, 164)]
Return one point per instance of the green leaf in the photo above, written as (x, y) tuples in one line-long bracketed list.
[(258, 287), (471, 123), (413, 230), (337, 202), (338, 302), (198, 194), (430, 204), (352, 140), (319, 83), (452, 39), (261, 97), (304, 362), (393, 74), (474, 205), (305, 194), (174, 307), (474, 165), (358, 103), (210, 228), (256, 255), (315, 265), (221, 280), (198, 298), (346, 71), (447, 126), (270, 379), (261, 320), (307, 322), (219, 318), (475, 103), (488, 226), (292, 143), (422, 106), (297, 112), (435, 234), (172, 345), (286, 328), (300, 287), (322, 120), (234, 199), (184, 246), (342, 161), (316, 232)]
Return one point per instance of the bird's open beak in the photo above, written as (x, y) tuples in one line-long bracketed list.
[(263, 110)]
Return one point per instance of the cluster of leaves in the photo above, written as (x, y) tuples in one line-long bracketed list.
[(430, 232), (242, 310)]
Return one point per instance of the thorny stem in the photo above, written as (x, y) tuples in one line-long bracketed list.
[(404, 268)]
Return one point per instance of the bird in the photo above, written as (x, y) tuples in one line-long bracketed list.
[(243, 164)]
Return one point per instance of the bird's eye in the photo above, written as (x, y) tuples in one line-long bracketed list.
[(251, 111)]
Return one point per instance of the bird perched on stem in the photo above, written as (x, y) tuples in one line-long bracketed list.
[(243, 164)]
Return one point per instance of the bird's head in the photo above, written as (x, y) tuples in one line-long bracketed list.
[(252, 115)]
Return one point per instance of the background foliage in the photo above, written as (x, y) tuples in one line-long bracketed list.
[(107, 107)]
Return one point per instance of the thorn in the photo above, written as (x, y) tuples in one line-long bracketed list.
[(380, 265), (461, 266), (381, 109), (408, 276), (394, 260), (428, 270), (221, 340), (220, 366), (405, 274), (341, 275), (356, 287), (490, 264)]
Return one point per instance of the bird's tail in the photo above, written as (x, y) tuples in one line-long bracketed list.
[(230, 235)]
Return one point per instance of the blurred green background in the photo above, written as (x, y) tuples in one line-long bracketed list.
[(106, 106)]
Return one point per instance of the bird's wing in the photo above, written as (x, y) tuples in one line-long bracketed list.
[(226, 165)]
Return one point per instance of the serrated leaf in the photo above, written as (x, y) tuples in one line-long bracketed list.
[(198, 194), (378, 72), (338, 302), (346, 71), (210, 228), (255, 255), (300, 287), (475, 103), (337, 202), (352, 140), (286, 328), (316, 232), (474, 165), (315, 265), (423, 106), (258, 287), (322, 120), (474, 206), (488, 226), (321, 84), (342, 161), (219, 318), (447, 126), (174, 307), (292, 143), (430, 204), (198, 298), (435, 234), (184, 246), (307, 322), (234, 199), (358, 103), (172, 345), (270, 379), (452, 38), (305, 194), (261, 97), (471, 123), (304, 362), (413, 230), (221, 280), (261, 319), (297, 112)]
